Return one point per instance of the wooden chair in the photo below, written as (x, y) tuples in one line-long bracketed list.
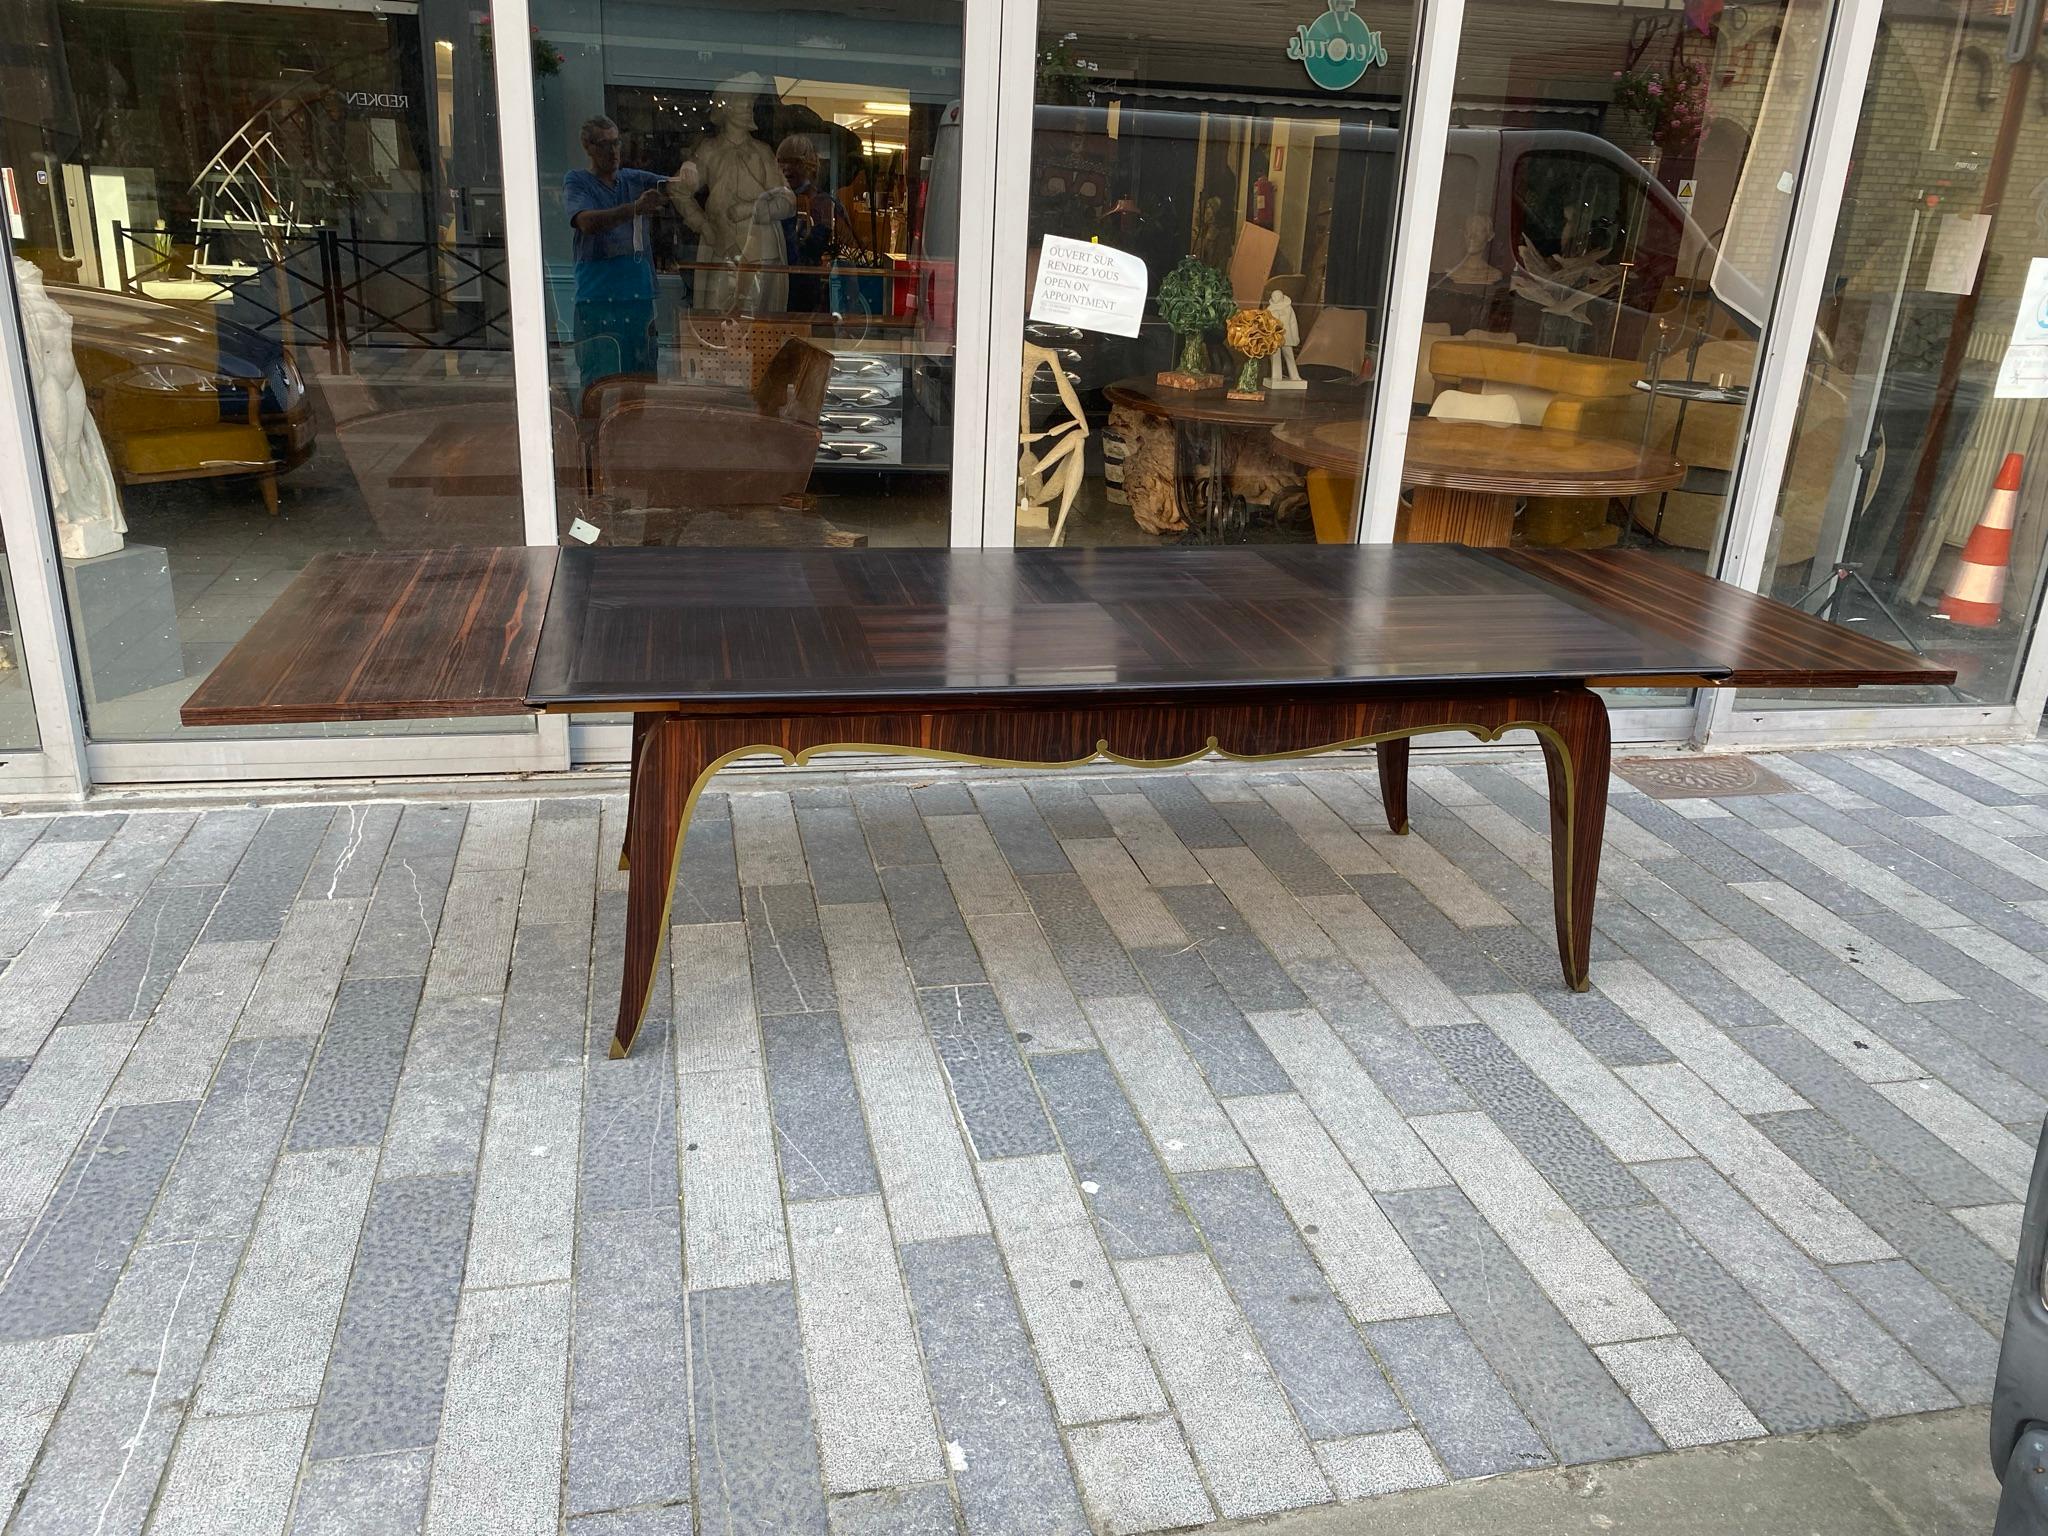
[(658, 451), (793, 385)]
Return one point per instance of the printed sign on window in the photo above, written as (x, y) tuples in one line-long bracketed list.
[(1088, 286), (2023, 371)]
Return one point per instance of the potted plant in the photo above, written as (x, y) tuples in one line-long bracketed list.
[(1255, 335), (1193, 300)]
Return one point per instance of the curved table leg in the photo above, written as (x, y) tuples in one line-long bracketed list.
[(1576, 760), (1392, 757), (665, 772)]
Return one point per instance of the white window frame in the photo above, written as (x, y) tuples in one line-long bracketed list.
[(56, 770)]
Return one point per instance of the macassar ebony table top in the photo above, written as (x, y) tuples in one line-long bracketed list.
[(388, 636)]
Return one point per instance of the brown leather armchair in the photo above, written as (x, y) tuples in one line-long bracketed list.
[(658, 451)]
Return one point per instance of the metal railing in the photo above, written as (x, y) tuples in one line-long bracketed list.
[(331, 290)]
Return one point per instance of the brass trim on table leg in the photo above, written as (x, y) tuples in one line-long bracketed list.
[(1563, 863)]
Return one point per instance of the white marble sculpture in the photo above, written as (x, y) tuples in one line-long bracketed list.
[(746, 199), (1283, 374), (83, 496)]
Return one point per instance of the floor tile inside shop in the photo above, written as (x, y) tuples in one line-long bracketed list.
[(1002, 1154)]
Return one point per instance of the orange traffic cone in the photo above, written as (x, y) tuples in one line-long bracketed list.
[(1977, 594)]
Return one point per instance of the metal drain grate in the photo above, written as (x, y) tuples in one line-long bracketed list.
[(1681, 778)]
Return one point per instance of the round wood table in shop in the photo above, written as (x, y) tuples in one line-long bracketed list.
[(1468, 474), (1209, 429)]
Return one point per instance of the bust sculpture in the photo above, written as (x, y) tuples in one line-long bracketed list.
[(83, 497), (1475, 270)]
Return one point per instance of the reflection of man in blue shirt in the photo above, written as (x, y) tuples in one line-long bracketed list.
[(607, 206)]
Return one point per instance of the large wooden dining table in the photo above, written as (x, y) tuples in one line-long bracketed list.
[(1025, 658)]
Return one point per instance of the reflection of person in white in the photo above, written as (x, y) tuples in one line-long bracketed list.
[(746, 198), (82, 492), (1283, 374)]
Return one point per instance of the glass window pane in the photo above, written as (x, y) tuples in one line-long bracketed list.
[(1181, 167), (749, 215), (1616, 196), (262, 274), (1915, 501), (18, 732)]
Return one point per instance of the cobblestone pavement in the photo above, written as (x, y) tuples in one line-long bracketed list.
[(1026, 1154)]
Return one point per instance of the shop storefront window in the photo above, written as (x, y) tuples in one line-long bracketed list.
[(1212, 200), (1915, 499), (18, 731), (259, 258), (1617, 187), (749, 216)]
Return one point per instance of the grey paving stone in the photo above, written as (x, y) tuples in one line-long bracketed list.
[(1700, 846), (1454, 953), (388, 1370), (1947, 1252), (1960, 972), (629, 1130), (547, 999), (707, 886), (1068, 805), (220, 1175), (1126, 1190), (473, 948), (1255, 981), (1137, 1476), (1280, 848), (437, 1115), (1186, 1123), (143, 957), (1768, 852), (1956, 777), (820, 1138), (66, 1271), (1020, 832), (213, 848), (1460, 1405), (1868, 1362), (30, 891), (523, 1231), (1567, 1394), (1846, 773), (895, 832), (629, 1407), (997, 1100), (732, 1201), (348, 1096), (657, 1520), (934, 938), (345, 866), (495, 835), (178, 1048), (397, 936), (51, 1109), (792, 973), (428, 830), (1934, 1167), (17, 836), (273, 1342), (757, 1465), (123, 869), (47, 974), (1186, 809), (925, 1510), (1040, 1006), (765, 839), (868, 1394), (1008, 1466), (1564, 1150), (1096, 965), (297, 986), (1776, 1378), (1251, 1451), (385, 1494), (945, 798), (267, 881), (1993, 1038), (1599, 1025), (1963, 1355), (1210, 1026), (837, 853), (821, 795), (923, 1162), (101, 1463), (500, 1452), (12, 1071), (1394, 1056), (1323, 1365)]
